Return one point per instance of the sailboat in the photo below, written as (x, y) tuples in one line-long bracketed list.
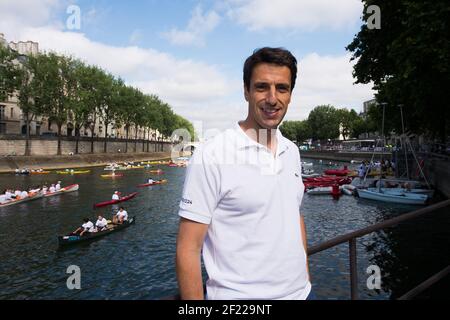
[(403, 194)]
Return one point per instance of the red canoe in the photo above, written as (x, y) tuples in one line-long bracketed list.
[(110, 202), (151, 184), (338, 172)]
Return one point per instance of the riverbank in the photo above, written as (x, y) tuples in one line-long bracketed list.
[(346, 156), (9, 164)]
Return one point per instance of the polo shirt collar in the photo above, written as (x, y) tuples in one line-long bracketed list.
[(244, 141)]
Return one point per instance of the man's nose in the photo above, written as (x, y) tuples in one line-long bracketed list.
[(271, 96)]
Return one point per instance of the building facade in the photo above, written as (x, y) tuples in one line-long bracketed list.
[(12, 121)]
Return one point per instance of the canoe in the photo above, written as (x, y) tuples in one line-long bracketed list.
[(68, 240), (152, 184), (67, 189), (400, 198), (40, 172), (320, 191), (117, 175), (338, 172), (73, 172), (17, 201), (111, 202)]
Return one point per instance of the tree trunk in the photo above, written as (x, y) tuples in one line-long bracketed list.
[(92, 134), (59, 139), (143, 142), (126, 141), (135, 139), (105, 146), (27, 136), (77, 133)]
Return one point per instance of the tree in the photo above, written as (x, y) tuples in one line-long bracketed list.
[(324, 122), (298, 131), (9, 72), (408, 60), (84, 106), (26, 95), (55, 85), (347, 120)]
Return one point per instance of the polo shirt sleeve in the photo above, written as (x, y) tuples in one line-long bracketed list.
[(201, 188)]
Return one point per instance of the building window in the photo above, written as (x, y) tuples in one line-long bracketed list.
[(2, 112), (2, 128), (12, 113)]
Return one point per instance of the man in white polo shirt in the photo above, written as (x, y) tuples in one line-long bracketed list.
[(242, 196)]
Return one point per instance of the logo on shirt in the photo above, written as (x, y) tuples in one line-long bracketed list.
[(186, 201)]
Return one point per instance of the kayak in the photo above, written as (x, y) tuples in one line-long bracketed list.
[(110, 202), (75, 239), (117, 175), (156, 171), (67, 189), (17, 201), (151, 184), (73, 172)]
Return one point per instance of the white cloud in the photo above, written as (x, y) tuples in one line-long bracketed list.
[(198, 27), (326, 80), (195, 90), (305, 15)]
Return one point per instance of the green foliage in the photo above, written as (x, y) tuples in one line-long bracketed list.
[(324, 122), (298, 131), (9, 72), (65, 89), (408, 60)]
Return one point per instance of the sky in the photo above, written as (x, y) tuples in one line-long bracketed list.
[(191, 52)]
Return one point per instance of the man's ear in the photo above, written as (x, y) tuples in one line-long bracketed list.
[(246, 94)]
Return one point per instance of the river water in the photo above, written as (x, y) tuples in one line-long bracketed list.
[(138, 262)]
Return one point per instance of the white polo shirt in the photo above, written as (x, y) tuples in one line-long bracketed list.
[(251, 200)]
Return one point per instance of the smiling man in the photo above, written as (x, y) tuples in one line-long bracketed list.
[(242, 196)]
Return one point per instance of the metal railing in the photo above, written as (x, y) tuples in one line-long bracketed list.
[(352, 236), (351, 239)]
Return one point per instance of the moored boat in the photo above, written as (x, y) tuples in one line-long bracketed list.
[(400, 198), (68, 240)]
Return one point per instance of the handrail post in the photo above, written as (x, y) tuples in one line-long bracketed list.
[(353, 269)]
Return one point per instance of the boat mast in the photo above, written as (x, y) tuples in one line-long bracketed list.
[(403, 142)]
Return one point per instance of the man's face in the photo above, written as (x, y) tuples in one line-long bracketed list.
[(269, 95)]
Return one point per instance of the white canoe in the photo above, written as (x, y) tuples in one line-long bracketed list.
[(396, 191), (401, 198), (12, 202), (67, 189), (307, 164)]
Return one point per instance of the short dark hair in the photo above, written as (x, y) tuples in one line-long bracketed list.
[(278, 56)]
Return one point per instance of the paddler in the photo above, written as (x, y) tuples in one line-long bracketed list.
[(115, 196), (102, 223), (87, 226)]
